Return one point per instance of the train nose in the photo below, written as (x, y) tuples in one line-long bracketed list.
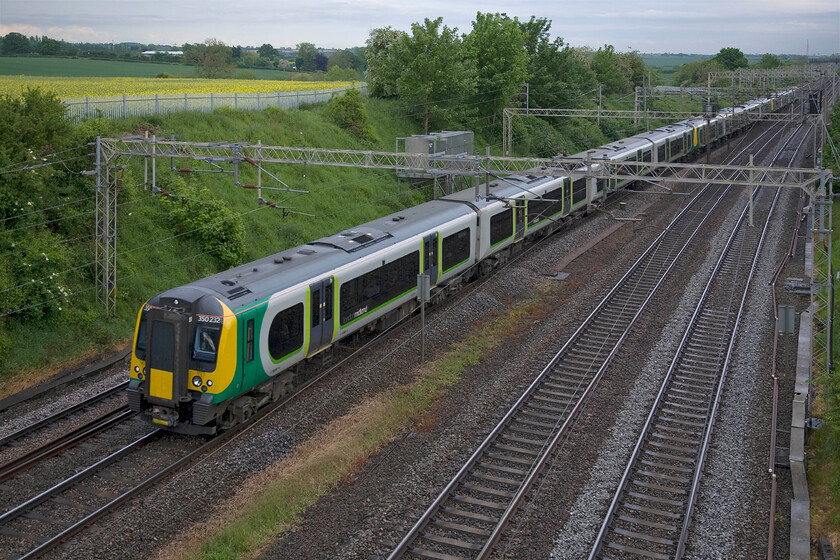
[(167, 364)]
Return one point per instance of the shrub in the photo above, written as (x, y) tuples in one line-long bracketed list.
[(33, 276), (217, 229), (348, 112)]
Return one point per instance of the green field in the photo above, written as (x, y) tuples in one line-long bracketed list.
[(85, 67)]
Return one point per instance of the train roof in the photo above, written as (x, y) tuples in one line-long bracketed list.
[(246, 284), (513, 186)]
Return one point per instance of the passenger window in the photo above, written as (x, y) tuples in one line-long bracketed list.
[(328, 302), (285, 335), (456, 249), (501, 227), (315, 304)]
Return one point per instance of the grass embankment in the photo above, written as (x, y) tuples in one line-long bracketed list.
[(824, 444), (273, 501)]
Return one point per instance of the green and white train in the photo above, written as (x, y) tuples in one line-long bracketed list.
[(209, 354)]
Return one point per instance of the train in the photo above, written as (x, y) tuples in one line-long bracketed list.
[(208, 355)]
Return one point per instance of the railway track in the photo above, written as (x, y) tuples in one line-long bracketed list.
[(21, 448), (650, 514), (468, 517)]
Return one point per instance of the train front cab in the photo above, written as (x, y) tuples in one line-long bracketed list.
[(177, 369)]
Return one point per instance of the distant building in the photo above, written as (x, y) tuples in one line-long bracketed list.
[(173, 53)]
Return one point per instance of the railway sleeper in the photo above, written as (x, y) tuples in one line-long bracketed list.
[(638, 551), (670, 403), (464, 514), (676, 395), (462, 528), (661, 476), (533, 423), (673, 438), (488, 491), (449, 541), (657, 499), (644, 537), (497, 479), (519, 429), (502, 468), (652, 511), (648, 523), (670, 428), (536, 443)]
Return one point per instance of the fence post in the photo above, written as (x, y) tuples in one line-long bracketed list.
[(211, 101), (185, 102), (157, 107), (278, 99), (297, 99), (87, 107), (124, 115), (259, 107), (235, 100)]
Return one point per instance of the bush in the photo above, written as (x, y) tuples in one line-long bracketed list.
[(348, 112), (33, 276), (217, 229)]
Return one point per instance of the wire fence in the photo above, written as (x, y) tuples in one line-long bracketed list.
[(116, 107)]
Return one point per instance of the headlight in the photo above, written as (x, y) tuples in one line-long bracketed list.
[(136, 369), (196, 381), (209, 382)]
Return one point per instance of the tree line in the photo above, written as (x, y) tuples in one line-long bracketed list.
[(450, 76), (212, 58)]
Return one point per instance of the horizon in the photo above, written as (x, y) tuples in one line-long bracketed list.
[(649, 26)]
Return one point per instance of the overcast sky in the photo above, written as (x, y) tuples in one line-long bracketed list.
[(754, 26)]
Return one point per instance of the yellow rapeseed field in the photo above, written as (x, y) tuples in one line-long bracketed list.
[(66, 88)]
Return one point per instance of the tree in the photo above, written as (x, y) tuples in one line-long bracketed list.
[(606, 66), (267, 51), (768, 61), (213, 59), (342, 59), (305, 61), (50, 47), (634, 69), (382, 68), (15, 43), (321, 61), (496, 47), (436, 73), (348, 112), (695, 73), (556, 74), (731, 58)]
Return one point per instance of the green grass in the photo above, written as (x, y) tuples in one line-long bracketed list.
[(85, 67), (824, 444)]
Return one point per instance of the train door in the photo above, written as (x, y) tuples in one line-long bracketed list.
[(321, 315), (430, 257), (519, 219), (167, 356)]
